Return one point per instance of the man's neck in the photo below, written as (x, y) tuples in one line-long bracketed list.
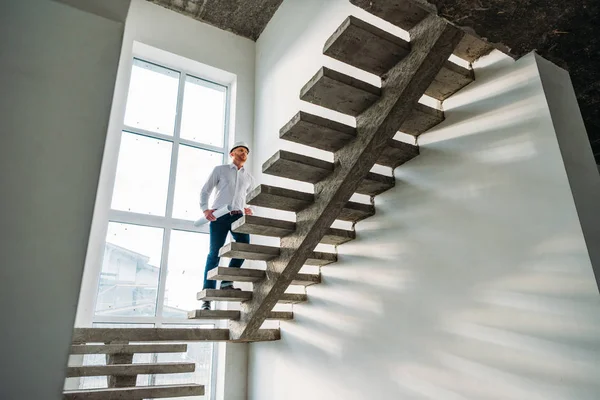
[(238, 165)]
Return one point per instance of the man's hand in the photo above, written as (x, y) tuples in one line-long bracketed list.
[(248, 211), (208, 214)]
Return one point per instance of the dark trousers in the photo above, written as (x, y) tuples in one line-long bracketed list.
[(218, 234)]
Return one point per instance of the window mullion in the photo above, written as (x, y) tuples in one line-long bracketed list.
[(170, 200)]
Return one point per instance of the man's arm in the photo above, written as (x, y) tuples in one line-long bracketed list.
[(207, 189)]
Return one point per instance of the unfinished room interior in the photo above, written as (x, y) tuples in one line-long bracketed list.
[(417, 205)]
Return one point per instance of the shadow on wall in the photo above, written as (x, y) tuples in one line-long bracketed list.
[(472, 281)]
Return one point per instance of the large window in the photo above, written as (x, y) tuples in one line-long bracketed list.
[(174, 132)]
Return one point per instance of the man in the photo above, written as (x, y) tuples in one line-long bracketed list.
[(232, 183)]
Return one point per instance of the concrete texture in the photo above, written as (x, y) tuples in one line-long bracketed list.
[(224, 295), (340, 92), (130, 369), (255, 225), (266, 253), (107, 335), (449, 80), (365, 46), (128, 348), (232, 314), (286, 164), (421, 119), (236, 274), (135, 393), (405, 14), (246, 18), (318, 132), (397, 153)]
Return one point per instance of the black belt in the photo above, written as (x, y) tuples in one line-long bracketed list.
[(235, 212)]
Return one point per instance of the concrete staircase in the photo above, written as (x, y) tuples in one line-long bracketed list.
[(407, 71)]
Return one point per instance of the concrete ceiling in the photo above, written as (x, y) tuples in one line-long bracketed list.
[(565, 32), (246, 18)]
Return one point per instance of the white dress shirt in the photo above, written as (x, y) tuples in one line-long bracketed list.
[(233, 186)]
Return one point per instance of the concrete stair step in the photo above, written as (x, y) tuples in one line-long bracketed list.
[(292, 200), (121, 335), (127, 348), (302, 168), (365, 46), (266, 253), (135, 393), (255, 275), (130, 369), (242, 295), (318, 132), (235, 315), (421, 120), (325, 134), (451, 78), (224, 295), (340, 92), (262, 226), (405, 14), (397, 153)]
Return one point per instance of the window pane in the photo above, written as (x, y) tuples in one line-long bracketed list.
[(203, 118), (142, 175), (193, 167), (185, 272), (152, 98), (130, 271), (198, 352)]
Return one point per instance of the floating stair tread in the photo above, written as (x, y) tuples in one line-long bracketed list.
[(135, 393), (337, 236), (306, 279), (404, 14), (280, 198), (262, 226), (107, 335), (293, 298), (266, 253), (236, 274), (127, 348), (375, 184), (354, 212), (248, 251), (451, 78), (318, 132), (421, 119), (340, 92), (365, 46), (224, 295), (292, 200), (254, 275), (397, 153), (130, 369), (302, 168), (295, 166), (235, 315), (470, 48), (214, 314)]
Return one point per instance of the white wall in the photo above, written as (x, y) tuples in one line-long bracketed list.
[(58, 71), (472, 281), (172, 39)]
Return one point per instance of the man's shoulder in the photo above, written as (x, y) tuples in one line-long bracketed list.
[(221, 167)]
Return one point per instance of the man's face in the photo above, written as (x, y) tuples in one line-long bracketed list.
[(239, 155)]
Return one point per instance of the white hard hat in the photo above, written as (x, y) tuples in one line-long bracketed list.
[(240, 144)]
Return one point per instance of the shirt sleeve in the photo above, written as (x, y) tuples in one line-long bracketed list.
[(207, 189)]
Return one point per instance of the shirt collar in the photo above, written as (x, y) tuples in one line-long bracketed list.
[(232, 166)]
